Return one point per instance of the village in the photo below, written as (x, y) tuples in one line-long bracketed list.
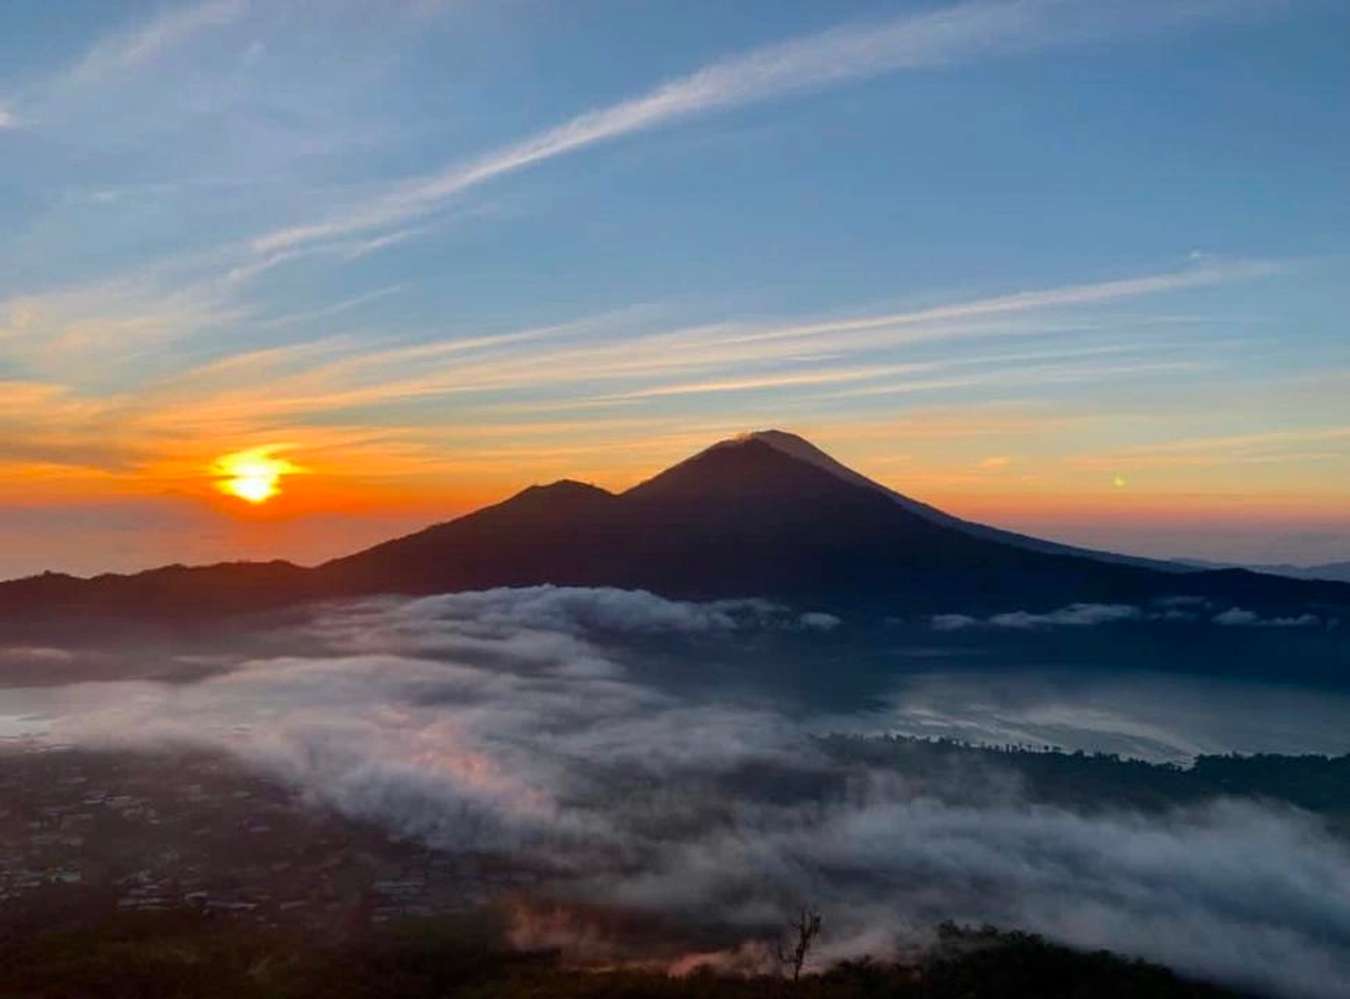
[(85, 833)]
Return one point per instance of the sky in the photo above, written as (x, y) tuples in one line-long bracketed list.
[(284, 278)]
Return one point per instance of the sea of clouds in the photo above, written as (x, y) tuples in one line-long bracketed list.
[(523, 723)]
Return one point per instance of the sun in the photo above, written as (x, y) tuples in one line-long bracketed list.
[(253, 475)]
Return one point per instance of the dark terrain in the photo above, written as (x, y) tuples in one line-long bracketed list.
[(122, 877), (177, 955)]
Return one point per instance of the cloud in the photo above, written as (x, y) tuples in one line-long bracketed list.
[(1027, 301), (953, 622), (1072, 616), (916, 41), (817, 621), (497, 364), (785, 380), (135, 48), (336, 308), (345, 393), (1160, 717), (544, 626), (570, 610), (1181, 600), (1271, 446), (480, 723), (114, 321), (35, 654), (1239, 618), (1174, 609)]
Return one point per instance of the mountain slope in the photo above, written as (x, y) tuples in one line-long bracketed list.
[(799, 447), (560, 533)]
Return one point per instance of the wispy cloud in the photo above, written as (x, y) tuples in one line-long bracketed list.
[(741, 358), (1236, 617), (1239, 441), (854, 52), (788, 380), (1078, 615), (1229, 449), (337, 308), (345, 390), (155, 37), (1095, 293), (112, 321), (1023, 378)]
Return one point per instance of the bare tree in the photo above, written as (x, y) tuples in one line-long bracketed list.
[(796, 941)]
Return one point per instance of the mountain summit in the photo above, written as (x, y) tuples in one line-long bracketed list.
[(766, 514)]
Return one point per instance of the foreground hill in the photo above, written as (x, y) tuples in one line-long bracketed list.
[(188, 956), (765, 515)]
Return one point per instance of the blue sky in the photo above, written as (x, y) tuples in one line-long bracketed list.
[(1071, 266)]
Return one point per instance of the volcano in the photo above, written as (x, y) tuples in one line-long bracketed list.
[(766, 514)]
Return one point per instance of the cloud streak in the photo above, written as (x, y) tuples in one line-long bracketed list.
[(1236, 617), (162, 33), (1072, 616), (921, 41)]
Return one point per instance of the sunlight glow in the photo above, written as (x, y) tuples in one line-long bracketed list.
[(254, 475)]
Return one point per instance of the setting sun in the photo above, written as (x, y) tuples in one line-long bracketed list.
[(254, 475)]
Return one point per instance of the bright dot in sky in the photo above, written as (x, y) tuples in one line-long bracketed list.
[(1119, 482), (253, 475)]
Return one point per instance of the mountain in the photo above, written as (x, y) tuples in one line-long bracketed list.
[(766, 514), (739, 518), (1339, 571), (1331, 571)]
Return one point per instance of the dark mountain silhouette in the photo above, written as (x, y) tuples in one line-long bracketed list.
[(741, 518), (1337, 571), (763, 515)]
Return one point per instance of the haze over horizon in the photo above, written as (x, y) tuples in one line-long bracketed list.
[(1061, 266)]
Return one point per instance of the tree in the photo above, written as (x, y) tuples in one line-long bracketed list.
[(796, 941)]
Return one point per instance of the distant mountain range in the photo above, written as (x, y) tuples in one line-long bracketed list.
[(1335, 571), (767, 514)]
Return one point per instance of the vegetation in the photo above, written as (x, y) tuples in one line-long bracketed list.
[(178, 955), (1318, 784), (801, 932)]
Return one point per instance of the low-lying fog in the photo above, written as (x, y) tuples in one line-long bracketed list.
[(538, 723), (1145, 715)]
